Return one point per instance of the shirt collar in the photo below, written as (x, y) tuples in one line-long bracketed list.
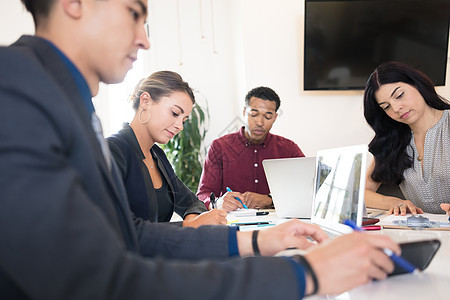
[(244, 140), (78, 78)]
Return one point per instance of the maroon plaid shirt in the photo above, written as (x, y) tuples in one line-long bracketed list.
[(233, 162)]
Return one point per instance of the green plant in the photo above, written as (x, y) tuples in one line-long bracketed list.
[(184, 149)]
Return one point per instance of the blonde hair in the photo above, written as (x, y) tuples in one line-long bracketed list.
[(160, 84)]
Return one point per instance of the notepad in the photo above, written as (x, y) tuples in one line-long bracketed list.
[(242, 212)]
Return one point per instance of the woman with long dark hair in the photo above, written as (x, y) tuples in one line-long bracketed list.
[(411, 146)]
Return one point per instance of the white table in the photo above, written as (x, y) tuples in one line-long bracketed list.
[(431, 284)]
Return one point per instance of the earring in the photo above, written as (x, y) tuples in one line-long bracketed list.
[(140, 113)]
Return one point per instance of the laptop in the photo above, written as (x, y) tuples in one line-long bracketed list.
[(339, 188), (291, 184)]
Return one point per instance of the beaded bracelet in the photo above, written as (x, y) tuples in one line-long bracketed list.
[(302, 260), (255, 242)]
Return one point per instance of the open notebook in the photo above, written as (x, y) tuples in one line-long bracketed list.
[(339, 188)]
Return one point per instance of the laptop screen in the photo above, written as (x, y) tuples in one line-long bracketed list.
[(291, 183), (339, 187)]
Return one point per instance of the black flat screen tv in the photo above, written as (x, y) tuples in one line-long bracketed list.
[(346, 40)]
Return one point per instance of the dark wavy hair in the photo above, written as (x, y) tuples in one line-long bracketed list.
[(264, 93), (391, 137)]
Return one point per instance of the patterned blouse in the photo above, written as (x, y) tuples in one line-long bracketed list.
[(432, 188)]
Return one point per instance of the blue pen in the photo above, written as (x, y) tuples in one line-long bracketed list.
[(398, 260), (245, 206)]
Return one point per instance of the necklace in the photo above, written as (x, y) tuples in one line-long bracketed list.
[(148, 163), (420, 157)]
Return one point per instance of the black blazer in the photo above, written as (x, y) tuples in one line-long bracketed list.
[(66, 231), (138, 183)]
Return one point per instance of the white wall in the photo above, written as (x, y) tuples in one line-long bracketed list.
[(273, 40), (258, 42), (14, 21)]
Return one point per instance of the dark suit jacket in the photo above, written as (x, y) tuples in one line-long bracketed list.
[(66, 231), (142, 197)]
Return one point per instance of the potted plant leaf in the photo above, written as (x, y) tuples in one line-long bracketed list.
[(184, 149)]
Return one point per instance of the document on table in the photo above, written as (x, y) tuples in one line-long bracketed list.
[(392, 221), (247, 219), (242, 212)]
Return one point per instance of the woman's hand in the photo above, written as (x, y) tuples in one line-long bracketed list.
[(446, 207), (403, 206), (212, 217)]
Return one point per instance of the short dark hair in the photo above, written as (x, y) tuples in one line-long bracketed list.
[(392, 138), (161, 84), (39, 9), (264, 93)]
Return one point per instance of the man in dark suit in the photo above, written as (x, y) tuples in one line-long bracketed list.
[(66, 231)]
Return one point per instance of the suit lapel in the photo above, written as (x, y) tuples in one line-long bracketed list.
[(53, 63)]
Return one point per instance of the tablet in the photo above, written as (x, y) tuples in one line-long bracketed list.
[(418, 253)]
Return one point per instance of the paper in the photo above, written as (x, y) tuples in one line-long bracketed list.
[(375, 212), (388, 221), (249, 216), (242, 212)]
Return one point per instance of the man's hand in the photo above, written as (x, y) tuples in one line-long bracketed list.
[(350, 260), (255, 200), (292, 234), (212, 217), (229, 202)]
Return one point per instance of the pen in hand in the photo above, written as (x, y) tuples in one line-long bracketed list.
[(245, 206), (398, 260), (212, 198)]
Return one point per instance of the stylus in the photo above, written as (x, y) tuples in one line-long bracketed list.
[(398, 260)]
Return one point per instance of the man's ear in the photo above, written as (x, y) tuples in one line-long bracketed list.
[(73, 8), (276, 116), (243, 112)]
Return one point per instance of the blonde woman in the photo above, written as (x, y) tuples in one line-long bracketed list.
[(163, 102)]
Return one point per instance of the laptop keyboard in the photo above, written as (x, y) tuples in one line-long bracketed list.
[(331, 234)]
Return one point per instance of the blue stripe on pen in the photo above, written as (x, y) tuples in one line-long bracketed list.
[(398, 260), (245, 206)]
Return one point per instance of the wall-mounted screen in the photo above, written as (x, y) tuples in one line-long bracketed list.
[(346, 40)]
